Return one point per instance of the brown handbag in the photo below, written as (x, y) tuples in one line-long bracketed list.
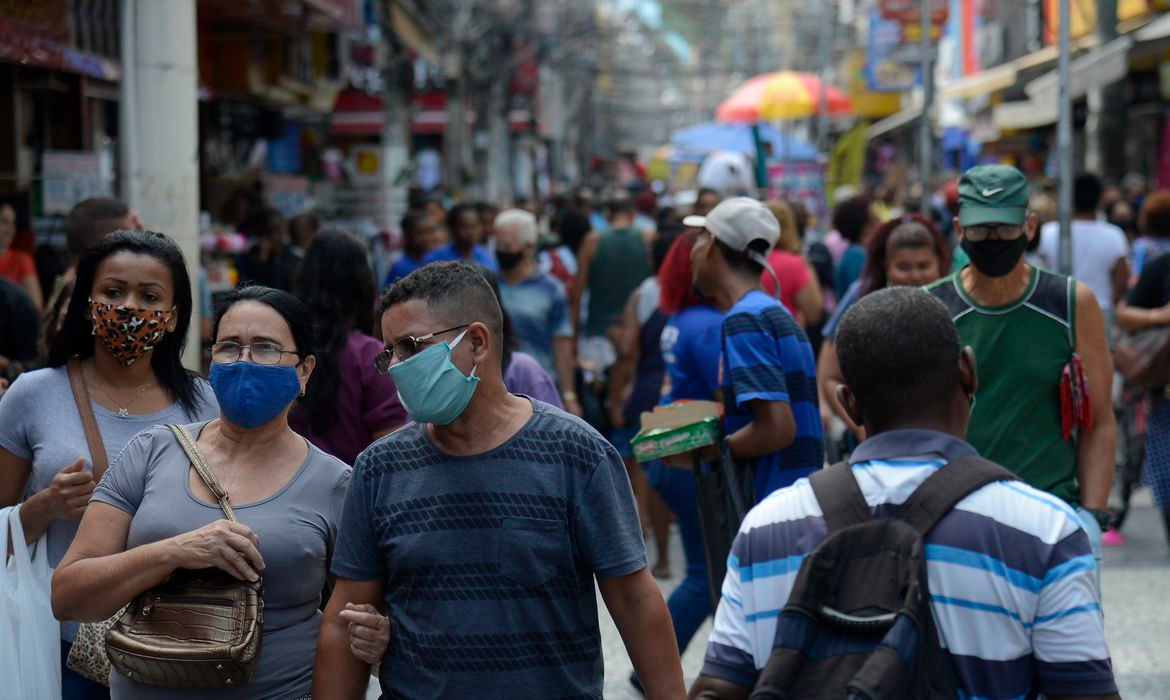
[(1143, 358), (197, 629)]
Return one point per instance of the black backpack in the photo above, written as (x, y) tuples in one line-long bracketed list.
[(858, 623)]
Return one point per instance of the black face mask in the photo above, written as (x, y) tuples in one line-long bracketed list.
[(993, 257), (509, 261)]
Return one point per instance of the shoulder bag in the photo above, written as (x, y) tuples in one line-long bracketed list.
[(87, 656), (198, 629), (1143, 358)]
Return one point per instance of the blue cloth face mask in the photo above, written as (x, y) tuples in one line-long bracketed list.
[(249, 394), (431, 387)]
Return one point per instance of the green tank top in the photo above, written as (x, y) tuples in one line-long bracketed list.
[(1020, 351), (619, 266)]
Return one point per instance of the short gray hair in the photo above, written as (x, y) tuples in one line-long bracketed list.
[(524, 222)]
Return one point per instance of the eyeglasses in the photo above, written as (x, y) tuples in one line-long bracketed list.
[(406, 348), (1004, 232), (262, 353)]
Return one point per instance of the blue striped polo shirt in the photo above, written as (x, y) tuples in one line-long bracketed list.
[(767, 356), (1010, 575)]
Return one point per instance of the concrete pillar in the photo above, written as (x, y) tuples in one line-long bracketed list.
[(159, 129)]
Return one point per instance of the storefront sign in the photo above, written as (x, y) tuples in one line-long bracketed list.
[(288, 194), (884, 72), (910, 11), (69, 177)]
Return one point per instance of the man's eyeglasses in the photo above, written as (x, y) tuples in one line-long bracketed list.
[(406, 348), (262, 353), (982, 232)]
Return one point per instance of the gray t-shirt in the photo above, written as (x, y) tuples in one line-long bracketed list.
[(489, 560), (39, 422), (297, 527)]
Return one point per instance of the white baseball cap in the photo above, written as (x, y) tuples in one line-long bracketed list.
[(739, 221)]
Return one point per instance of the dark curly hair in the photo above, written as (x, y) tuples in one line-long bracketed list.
[(851, 216)]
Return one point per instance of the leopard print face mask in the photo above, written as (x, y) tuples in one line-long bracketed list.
[(127, 333)]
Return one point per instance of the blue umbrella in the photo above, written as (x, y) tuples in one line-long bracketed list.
[(694, 143)]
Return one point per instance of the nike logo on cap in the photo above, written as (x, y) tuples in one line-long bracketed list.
[(992, 191)]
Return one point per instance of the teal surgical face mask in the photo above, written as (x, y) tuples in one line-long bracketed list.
[(431, 387)]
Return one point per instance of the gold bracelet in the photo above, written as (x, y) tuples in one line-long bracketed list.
[(569, 395)]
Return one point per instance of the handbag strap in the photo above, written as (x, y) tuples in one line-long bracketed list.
[(203, 469), (93, 436)]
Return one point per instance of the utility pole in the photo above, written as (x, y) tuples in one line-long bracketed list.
[(1064, 143), (396, 128), (925, 129), (160, 151), (826, 31)]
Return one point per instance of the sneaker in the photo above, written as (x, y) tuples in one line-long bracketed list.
[(1113, 538)]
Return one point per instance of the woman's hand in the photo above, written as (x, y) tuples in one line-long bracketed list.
[(68, 494), (369, 632), (224, 545)]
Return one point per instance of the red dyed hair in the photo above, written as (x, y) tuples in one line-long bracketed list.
[(675, 276), (874, 275)]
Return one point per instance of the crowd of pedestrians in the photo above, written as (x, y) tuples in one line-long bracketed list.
[(433, 470)]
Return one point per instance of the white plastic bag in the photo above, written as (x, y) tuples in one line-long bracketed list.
[(30, 637)]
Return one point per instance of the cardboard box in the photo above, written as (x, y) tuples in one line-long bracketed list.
[(675, 429)]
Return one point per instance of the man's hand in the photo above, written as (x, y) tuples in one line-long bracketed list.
[(369, 631), (708, 688)]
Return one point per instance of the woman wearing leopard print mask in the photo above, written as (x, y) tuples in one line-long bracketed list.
[(126, 326)]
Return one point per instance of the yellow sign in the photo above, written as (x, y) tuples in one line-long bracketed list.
[(1084, 15), (866, 103)]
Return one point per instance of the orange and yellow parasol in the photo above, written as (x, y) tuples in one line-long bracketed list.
[(779, 96)]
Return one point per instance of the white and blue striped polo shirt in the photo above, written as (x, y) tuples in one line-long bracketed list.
[(1011, 577)]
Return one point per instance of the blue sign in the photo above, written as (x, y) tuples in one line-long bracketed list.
[(884, 71), (284, 154)]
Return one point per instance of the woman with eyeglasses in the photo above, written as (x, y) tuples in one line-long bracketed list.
[(347, 404), (152, 513), (124, 331)]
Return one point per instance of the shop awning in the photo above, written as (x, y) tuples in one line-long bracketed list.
[(1100, 67), (998, 77), (356, 112), (895, 121), (1156, 30), (1024, 114), (434, 121)]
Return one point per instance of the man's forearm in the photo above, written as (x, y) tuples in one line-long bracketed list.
[(337, 674), (1096, 461), (756, 439), (641, 616)]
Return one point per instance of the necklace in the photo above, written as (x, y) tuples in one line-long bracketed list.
[(123, 408)]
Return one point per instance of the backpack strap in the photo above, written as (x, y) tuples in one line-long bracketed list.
[(942, 490), (840, 497)]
